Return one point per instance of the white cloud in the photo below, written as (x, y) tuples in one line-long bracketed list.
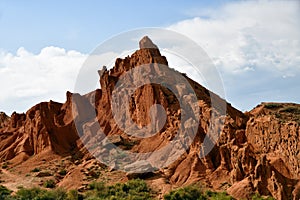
[(245, 34), (255, 45), (28, 78)]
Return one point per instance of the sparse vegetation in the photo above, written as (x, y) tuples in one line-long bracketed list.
[(92, 174), (134, 189), (36, 170), (196, 193), (62, 172), (74, 195), (33, 193), (40, 194), (259, 197), (4, 192), (187, 193), (49, 183), (273, 106), (285, 112), (218, 195), (290, 112), (5, 165), (291, 109)]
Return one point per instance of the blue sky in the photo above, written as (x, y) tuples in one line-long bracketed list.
[(81, 25), (255, 45)]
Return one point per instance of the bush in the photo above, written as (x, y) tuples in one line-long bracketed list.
[(259, 197), (5, 165), (74, 195), (133, 189), (218, 195), (49, 184), (186, 193), (62, 172), (272, 106), (36, 170), (40, 194), (33, 193), (58, 194), (98, 186), (195, 192), (4, 192), (291, 109)]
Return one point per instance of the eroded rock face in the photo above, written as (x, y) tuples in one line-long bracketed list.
[(3, 120), (256, 151), (41, 128), (271, 134)]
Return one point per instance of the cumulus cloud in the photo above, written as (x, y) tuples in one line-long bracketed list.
[(249, 34), (28, 78), (253, 44)]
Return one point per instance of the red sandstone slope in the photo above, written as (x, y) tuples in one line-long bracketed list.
[(256, 152)]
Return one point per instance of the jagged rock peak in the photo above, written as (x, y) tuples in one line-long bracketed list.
[(146, 43)]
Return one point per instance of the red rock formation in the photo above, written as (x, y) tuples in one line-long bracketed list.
[(3, 119), (38, 130), (256, 151)]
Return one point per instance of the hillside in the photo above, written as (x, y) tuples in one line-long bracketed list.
[(256, 152)]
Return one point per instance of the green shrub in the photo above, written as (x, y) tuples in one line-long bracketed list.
[(186, 193), (133, 189), (58, 194), (259, 197), (36, 170), (98, 186), (195, 192), (32, 193), (291, 109), (62, 172), (40, 194), (272, 106), (4, 192), (5, 165), (218, 195), (74, 195), (49, 183)]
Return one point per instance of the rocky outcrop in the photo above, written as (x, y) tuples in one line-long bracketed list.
[(277, 136), (256, 151), (3, 119), (41, 128)]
